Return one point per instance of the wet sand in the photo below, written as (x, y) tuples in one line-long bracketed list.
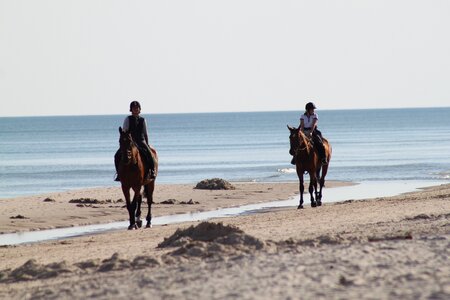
[(390, 247), (105, 205)]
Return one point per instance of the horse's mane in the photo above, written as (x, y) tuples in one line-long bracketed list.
[(304, 140)]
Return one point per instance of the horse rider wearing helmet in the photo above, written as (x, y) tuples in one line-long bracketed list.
[(308, 125), (137, 127)]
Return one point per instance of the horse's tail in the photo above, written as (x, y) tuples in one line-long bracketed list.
[(324, 169), (148, 191), (328, 149)]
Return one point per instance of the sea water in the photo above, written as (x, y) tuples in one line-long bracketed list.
[(49, 154)]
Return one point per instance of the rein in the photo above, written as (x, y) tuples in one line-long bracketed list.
[(129, 153), (305, 142)]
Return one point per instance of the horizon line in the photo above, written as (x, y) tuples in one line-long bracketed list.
[(221, 112)]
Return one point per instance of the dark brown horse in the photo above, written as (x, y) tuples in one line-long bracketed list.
[(131, 173), (308, 161)]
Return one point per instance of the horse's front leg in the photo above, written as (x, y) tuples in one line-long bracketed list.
[(312, 188), (126, 194), (302, 190), (133, 207)]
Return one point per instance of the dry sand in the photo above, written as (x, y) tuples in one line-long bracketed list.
[(384, 248)]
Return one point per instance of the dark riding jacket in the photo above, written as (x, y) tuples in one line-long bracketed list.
[(137, 127)]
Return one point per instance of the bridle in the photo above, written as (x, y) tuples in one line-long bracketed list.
[(301, 141), (126, 146)]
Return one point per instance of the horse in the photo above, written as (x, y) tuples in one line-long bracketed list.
[(131, 172), (308, 161)]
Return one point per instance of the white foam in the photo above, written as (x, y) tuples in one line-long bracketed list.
[(287, 170)]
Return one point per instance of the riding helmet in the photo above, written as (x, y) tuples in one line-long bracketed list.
[(134, 104), (310, 105)]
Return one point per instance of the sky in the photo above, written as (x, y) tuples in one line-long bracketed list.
[(93, 57)]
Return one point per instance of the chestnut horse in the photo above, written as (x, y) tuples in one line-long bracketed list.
[(131, 173), (308, 161)]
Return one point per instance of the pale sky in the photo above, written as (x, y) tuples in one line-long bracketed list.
[(84, 57)]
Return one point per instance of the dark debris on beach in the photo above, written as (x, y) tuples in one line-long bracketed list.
[(214, 184)]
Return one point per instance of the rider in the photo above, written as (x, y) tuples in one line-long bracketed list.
[(308, 125), (137, 126)]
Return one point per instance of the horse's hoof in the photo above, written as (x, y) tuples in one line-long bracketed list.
[(319, 203), (300, 206), (132, 227), (313, 204), (139, 223), (149, 225)]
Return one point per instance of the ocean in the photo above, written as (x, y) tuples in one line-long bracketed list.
[(50, 154)]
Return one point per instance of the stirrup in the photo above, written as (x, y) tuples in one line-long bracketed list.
[(150, 176)]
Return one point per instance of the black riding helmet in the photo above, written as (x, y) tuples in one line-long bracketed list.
[(310, 105), (134, 104)]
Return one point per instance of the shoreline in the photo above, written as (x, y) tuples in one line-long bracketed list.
[(232, 199), (106, 205)]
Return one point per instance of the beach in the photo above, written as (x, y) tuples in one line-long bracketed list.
[(217, 88), (389, 247), (104, 205)]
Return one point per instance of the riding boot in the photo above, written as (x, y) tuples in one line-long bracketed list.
[(116, 163), (149, 175), (321, 150), (150, 172), (151, 164)]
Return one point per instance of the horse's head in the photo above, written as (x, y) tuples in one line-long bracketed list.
[(126, 146), (297, 140), (293, 139)]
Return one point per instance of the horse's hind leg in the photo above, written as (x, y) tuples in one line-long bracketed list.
[(322, 182), (138, 211), (319, 190), (302, 190), (319, 194), (149, 188), (312, 189)]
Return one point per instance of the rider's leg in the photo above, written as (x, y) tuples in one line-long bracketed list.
[(149, 162), (152, 165), (318, 142)]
